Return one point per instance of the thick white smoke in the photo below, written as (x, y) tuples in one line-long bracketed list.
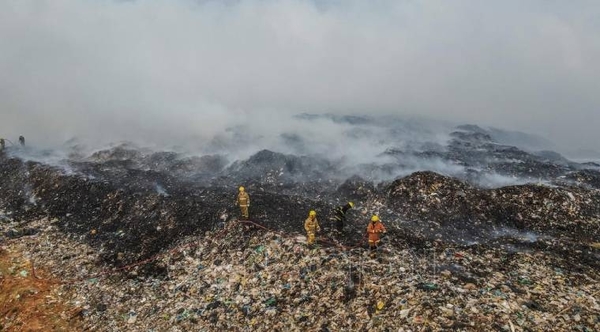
[(179, 72)]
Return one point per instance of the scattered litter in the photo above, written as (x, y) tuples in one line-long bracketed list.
[(457, 256)]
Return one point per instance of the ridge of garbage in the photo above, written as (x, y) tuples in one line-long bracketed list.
[(151, 240)]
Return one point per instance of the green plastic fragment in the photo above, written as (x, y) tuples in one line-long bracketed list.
[(271, 302), (525, 281)]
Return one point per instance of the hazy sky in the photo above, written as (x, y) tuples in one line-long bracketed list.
[(163, 70)]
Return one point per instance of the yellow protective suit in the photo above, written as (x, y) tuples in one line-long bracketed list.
[(311, 225), (244, 203)]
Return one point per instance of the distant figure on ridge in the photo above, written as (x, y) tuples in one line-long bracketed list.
[(2, 144), (311, 225), (243, 201), (22, 140)]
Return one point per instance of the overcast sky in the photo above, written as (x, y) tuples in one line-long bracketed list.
[(162, 70)]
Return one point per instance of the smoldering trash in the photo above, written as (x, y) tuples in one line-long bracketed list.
[(137, 241)]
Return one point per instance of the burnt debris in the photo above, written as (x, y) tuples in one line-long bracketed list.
[(453, 239)]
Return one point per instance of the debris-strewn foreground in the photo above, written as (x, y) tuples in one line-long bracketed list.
[(242, 277), (134, 240)]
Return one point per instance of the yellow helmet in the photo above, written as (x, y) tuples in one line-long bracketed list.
[(312, 213), (374, 218), (351, 204), (241, 189)]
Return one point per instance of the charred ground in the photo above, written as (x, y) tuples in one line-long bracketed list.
[(130, 204)]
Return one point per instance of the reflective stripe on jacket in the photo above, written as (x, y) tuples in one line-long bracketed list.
[(243, 199), (374, 229), (312, 225)]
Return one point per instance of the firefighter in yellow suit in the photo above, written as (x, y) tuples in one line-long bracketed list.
[(311, 225), (243, 201)]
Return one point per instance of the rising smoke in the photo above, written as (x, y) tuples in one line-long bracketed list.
[(189, 74)]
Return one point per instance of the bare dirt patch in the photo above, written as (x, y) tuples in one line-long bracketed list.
[(29, 300)]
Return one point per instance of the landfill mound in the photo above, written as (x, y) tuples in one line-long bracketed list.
[(126, 213), (243, 277), (130, 214), (569, 211), (143, 240)]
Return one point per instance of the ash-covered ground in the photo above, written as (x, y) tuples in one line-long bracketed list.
[(485, 230)]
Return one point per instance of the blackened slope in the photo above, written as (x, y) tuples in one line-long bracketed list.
[(162, 161), (430, 196), (477, 151), (292, 168), (118, 211), (12, 178), (121, 215), (356, 188), (281, 174), (283, 212), (122, 218)]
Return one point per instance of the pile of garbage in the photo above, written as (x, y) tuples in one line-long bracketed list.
[(428, 196), (586, 177), (143, 240), (479, 154), (161, 161), (244, 277), (121, 211)]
